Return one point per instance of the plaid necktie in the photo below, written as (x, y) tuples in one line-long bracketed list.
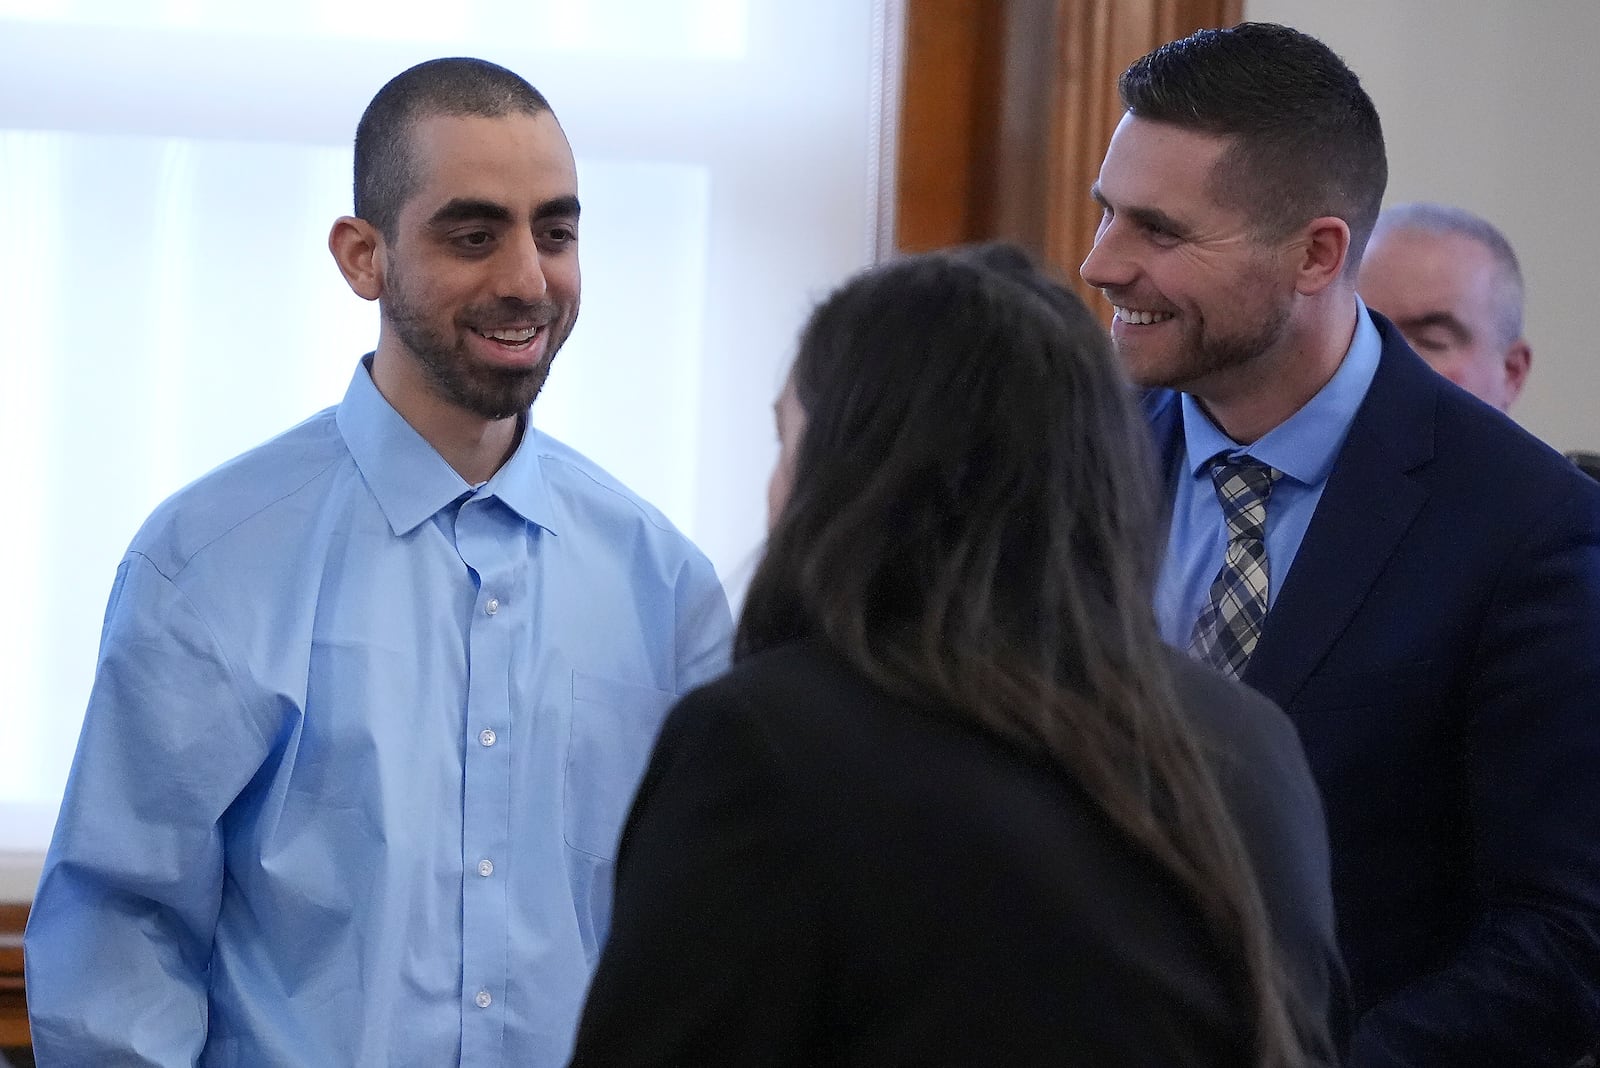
[(1230, 624)]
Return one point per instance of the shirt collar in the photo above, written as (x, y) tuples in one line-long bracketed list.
[(410, 480), (520, 481), (1305, 445)]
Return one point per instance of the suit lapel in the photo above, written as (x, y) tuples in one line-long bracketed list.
[(1369, 503), (1164, 413)]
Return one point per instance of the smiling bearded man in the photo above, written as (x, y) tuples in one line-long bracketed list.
[(1413, 578), (373, 698)]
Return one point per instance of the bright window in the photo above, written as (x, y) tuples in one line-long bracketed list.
[(168, 174)]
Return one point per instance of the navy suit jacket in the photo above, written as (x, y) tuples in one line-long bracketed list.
[(1437, 644)]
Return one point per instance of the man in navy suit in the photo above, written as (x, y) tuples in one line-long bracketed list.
[(1411, 576)]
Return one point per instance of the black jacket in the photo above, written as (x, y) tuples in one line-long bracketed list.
[(816, 874)]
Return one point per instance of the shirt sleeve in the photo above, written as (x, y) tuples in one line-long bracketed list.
[(713, 957), (119, 939), (1524, 988), (704, 625)]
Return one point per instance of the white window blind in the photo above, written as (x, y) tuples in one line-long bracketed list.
[(168, 174)]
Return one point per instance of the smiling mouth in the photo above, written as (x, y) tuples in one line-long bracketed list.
[(517, 339), (1140, 317)]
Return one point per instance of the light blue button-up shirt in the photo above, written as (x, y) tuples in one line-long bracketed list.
[(1303, 447), (359, 748)]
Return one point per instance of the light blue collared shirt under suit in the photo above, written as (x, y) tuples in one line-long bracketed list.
[(359, 748), (1303, 447)]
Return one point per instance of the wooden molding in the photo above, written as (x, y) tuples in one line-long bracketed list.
[(951, 50), (13, 1003)]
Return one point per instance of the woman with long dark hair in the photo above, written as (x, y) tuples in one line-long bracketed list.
[(956, 804)]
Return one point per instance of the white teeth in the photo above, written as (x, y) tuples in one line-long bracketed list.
[(515, 337), (1142, 318)]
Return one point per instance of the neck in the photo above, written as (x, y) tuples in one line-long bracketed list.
[(473, 445), (1248, 401)]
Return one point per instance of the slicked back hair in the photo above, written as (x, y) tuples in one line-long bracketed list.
[(971, 524), (1444, 219), (1307, 141), (385, 171)]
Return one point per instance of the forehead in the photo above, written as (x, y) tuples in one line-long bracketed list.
[(1405, 264), (517, 160), (1161, 166)]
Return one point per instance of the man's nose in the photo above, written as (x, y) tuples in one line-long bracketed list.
[(1108, 265), (522, 270)]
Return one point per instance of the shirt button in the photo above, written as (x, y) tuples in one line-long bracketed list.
[(485, 867), (493, 606), (484, 999), (486, 737)]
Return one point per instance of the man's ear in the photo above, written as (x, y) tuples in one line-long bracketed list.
[(1321, 252), (1519, 358), (357, 248)]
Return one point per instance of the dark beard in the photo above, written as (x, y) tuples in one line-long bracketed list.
[(1210, 355), (490, 392)]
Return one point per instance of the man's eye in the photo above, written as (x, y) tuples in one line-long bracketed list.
[(475, 239)]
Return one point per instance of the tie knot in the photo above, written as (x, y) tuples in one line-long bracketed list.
[(1243, 474), (1243, 486)]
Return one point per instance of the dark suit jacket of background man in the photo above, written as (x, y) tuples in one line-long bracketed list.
[(1437, 644)]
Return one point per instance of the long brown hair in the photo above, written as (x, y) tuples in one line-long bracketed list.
[(973, 526)]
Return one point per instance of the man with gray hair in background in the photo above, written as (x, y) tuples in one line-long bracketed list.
[(1451, 282)]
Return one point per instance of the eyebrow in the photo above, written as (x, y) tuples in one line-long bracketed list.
[(465, 209), (470, 209), (1443, 320), (556, 208), (1146, 217)]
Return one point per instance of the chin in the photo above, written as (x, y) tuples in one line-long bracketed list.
[(1148, 374)]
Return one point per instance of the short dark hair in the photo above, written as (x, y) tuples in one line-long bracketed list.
[(385, 170), (1307, 140), (1430, 218), (973, 524)]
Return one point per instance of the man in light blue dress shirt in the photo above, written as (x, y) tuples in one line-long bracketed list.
[(373, 698)]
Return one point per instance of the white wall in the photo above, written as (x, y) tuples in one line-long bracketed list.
[(1495, 105)]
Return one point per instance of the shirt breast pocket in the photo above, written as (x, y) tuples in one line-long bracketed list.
[(614, 727)]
